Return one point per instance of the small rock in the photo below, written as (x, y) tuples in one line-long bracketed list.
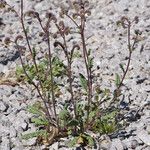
[(18, 148), (3, 106), (17, 142), (104, 142), (144, 136), (5, 145), (24, 126), (13, 132), (117, 145), (54, 146), (123, 105), (21, 124), (147, 148), (43, 147), (5, 90), (7, 55), (39, 8), (148, 128), (4, 130), (5, 121), (30, 142), (132, 116), (134, 144)]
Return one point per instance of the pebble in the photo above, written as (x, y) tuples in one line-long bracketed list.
[(3, 106), (134, 144), (9, 56), (144, 136), (5, 145), (148, 128), (54, 146), (13, 132), (117, 145)]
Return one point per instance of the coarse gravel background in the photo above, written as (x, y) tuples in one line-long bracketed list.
[(109, 48)]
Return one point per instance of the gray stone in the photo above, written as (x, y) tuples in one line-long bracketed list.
[(18, 148), (134, 144), (54, 146), (3, 106), (24, 126), (5, 121), (148, 128), (30, 142), (23, 114), (117, 145), (7, 55), (4, 131), (5, 90), (39, 8), (16, 141), (5, 145), (20, 123), (13, 132), (144, 136), (44, 147), (146, 148), (104, 142)]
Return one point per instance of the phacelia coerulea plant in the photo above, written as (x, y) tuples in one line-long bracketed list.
[(43, 75)]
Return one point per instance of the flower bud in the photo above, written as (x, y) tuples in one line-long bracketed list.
[(19, 37)]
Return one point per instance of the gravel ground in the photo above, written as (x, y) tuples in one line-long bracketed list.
[(108, 43)]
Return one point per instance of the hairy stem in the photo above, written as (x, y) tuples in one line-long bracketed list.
[(88, 69), (52, 77), (130, 48), (69, 69)]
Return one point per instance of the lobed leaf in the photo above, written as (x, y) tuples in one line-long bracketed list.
[(83, 81)]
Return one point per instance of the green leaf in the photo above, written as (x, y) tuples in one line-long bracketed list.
[(69, 132), (90, 140), (58, 67), (35, 134), (92, 114), (73, 142), (80, 140), (35, 109), (117, 80), (73, 122), (76, 55), (34, 52), (27, 29), (109, 115), (107, 127), (40, 121), (64, 114), (20, 73), (122, 68), (90, 62), (80, 109), (106, 93), (89, 52), (83, 82)]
